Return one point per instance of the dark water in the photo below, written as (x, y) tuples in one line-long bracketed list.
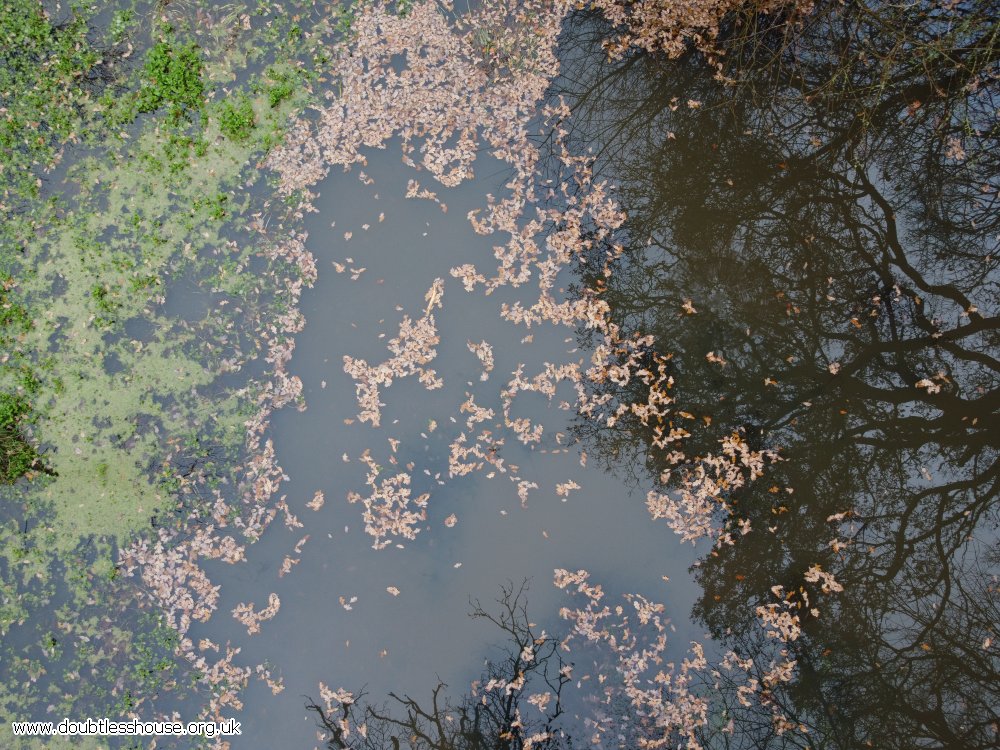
[(848, 277)]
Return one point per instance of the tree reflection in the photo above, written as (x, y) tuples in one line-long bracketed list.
[(495, 715), (837, 237)]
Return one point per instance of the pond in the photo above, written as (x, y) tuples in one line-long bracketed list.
[(338, 596), (684, 389)]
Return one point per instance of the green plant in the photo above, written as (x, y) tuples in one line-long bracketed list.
[(236, 120), (139, 283), (345, 17), (282, 89), (13, 316), (104, 302), (120, 23), (177, 149), (17, 455), (172, 76), (217, 207)]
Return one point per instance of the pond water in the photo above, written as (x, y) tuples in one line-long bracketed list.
[(405, 643), (846, 286), (807, 304), (822, 292)]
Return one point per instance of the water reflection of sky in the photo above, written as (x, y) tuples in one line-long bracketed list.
[(406, 643), (724, 216)]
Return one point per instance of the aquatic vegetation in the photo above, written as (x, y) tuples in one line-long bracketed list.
[(48, 74), (237, 120), (17, 455), (172, 77), (103, 375), (282, 88)]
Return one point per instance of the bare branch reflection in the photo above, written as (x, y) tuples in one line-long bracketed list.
[(814, 248), (516, 704)]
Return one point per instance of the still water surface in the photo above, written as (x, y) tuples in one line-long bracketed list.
[(406, 643), (857, 331)]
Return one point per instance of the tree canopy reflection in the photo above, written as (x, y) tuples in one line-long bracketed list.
[(815, 249)]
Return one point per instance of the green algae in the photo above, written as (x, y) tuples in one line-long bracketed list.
[(111, 270), (48, 73), (110, 254), (123, 408)]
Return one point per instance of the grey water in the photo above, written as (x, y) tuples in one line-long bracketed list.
[(830, 286), (406, 643)]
